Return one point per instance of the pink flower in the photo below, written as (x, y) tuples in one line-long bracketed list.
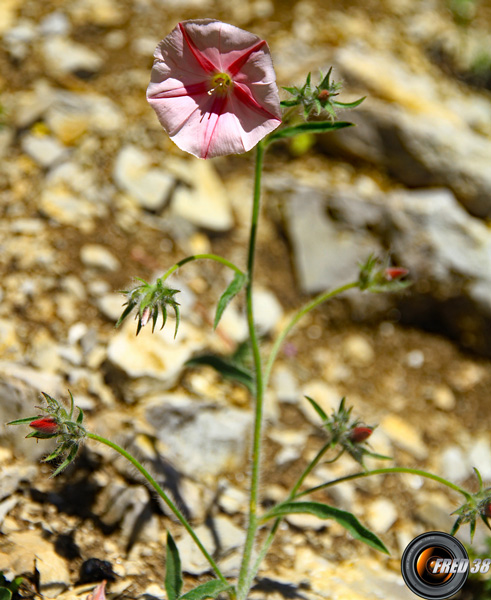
[(213, 88)]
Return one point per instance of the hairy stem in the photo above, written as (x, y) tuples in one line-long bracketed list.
[(214, 257), (296, 318), (164, 497), (387, 471), (243, 588)]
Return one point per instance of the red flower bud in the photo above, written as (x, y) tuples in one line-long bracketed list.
[(323, 95), (360, 434), (486, 510), (392, 273), (45, 425)]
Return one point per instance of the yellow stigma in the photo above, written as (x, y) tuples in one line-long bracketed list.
[(221, 83)]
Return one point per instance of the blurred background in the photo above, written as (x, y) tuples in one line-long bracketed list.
[(93, 193)]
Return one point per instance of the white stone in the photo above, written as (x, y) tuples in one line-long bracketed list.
[(205, 203), (200, 440), (454, 465), (99, 257), (158, 355), (358, 350), (63, 56), (45, 150), (381, 515), (267, 310), (111, 305), (480, 457), (285, 385), (149, 186), (404, 435), (55, 23)]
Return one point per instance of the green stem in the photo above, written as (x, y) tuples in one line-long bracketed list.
[(214, 257), (274, 529), (242, 588), (296, 318), (164, 497), (387, 471)]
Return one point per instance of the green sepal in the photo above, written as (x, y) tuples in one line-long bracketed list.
[(318, 409), (209, 589), (177, 312), (324, 511), (67, 461), (125, 313), (173, 575), (23, 421), (310, 127), (57, 451), (228, 295), (40, 435), (80, 416), (349, 104)]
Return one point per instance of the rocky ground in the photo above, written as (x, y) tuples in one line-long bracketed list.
[(92, 192)]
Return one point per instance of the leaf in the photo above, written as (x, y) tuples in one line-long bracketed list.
[(318, 409), (349, 104), (5, 594), (228, 295), (324, 511), (310, 127), (210, 589), (289, 103), (22, 421), (72, 405), (80, 417), (226, 369), (173, 577), (71, 455)]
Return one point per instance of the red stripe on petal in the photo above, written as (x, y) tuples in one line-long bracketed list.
[(204, 62), (217, 109), (243, 93), (238, 63)]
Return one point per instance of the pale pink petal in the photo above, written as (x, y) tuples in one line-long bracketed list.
[(220, 42), (200, 118), (98, 593)]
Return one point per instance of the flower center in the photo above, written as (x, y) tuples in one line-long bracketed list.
[(221, 83)]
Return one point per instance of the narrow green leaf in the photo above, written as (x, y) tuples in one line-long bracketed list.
[(310, 127), (58, 450), (5, 594), (349, 104), (173, 577), (72, 405), (291, 90), (67, 461), (289, 103), (324, 511), (228, 295), (22, 421), (318, 409), (210, 589), (178, 317), (126, 312), (80, 417), (226, 369)]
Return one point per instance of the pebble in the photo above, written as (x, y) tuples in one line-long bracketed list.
[(443, 397), (415, 359), (158, 356), (454, 465), (381, 515), (66, 208), (480, 457), (149, 186), (403, 435), (63, 56), (232, 500), (55, 23), (54, 577), (326, 396), (358, 350), (45, 150), (111, 305), (99, 257), (267, 311), (285, 384), (204, 201), (199, 440)]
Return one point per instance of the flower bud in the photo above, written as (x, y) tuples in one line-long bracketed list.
[(360, 434), (45, 425), (324, 95), (392, 273)]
